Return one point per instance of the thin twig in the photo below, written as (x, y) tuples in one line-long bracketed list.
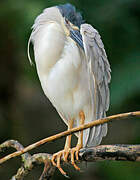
[(68, 132)]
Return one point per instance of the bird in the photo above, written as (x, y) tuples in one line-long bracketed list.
[(74, 73)]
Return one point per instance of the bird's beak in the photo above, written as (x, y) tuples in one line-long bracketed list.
[(76, 36), (73, 31)]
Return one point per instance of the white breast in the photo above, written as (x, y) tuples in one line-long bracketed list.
[(48, 47), (61, 71)]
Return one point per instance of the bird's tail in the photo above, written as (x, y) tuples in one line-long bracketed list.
[(93, 136)]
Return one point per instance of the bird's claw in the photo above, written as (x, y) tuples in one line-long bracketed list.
[(56, 158), (75, 152)]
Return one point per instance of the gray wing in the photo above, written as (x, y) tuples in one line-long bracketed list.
[(99, 77)]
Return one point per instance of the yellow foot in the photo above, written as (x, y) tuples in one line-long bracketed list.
[(56, 158), (75, 152)]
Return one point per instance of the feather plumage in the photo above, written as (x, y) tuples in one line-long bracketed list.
[(99, 75), (73, 77)]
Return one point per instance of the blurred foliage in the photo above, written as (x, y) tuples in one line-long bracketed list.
[(25, 111)]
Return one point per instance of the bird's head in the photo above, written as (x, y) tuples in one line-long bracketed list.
[(71, 21), (65, 15), (70, 16)]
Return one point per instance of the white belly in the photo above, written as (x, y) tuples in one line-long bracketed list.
[(66, 83), (62, 73)]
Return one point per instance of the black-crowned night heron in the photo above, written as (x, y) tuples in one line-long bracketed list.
[(74, 73)]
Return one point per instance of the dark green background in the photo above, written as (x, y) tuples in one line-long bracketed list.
[(25, 112)]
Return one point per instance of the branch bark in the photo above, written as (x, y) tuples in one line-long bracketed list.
[(71, 131), (117, 152), (93, 154), (29, 162)]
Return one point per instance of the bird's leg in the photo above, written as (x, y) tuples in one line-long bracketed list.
[(68, 142), (57, 156), (75, 150)]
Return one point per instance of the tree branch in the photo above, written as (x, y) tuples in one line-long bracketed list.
[(29, 161), (117, 152), (68, 132), (93, 154)]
